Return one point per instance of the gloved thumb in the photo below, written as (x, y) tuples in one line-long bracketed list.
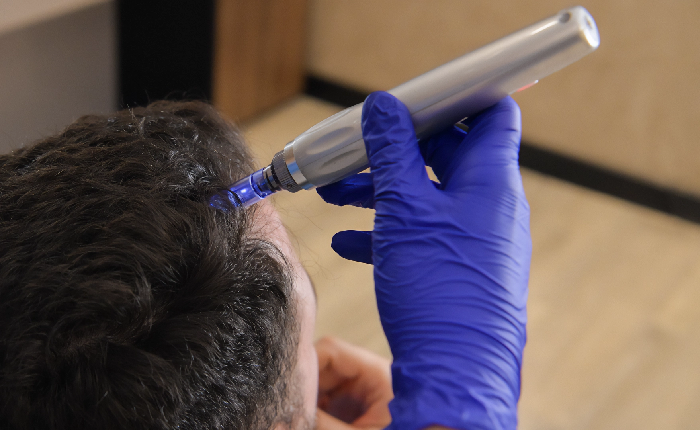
[(392, 148), (489, 154), (353, 245)]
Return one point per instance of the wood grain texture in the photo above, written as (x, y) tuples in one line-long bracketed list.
[(614, 307), (258, 54), (632, 106)]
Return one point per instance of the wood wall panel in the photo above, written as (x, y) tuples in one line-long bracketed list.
[(633, 106), (258, 54)]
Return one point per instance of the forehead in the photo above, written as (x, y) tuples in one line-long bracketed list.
[(267, 225)]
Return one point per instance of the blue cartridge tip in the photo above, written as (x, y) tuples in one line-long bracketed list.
[(245, 192)]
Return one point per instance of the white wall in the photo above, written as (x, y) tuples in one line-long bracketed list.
[(15, 14), (54, 70)]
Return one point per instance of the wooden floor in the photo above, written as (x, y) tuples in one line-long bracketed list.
[(614, 309)]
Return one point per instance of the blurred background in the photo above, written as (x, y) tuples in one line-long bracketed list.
[(610, 159)]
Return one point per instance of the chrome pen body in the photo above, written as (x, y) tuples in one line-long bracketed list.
[(333, 149)]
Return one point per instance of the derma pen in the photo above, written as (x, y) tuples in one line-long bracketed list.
[(333, 149)]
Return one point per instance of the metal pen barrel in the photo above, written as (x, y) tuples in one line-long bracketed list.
[(333, 149)]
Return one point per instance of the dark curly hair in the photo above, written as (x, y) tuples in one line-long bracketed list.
[(126, 300)]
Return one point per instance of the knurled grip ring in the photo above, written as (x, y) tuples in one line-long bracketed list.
[(281, 172)]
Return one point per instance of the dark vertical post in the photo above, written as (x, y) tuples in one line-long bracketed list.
[(165, 50)]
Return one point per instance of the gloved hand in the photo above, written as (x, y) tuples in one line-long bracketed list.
[(451, 262)]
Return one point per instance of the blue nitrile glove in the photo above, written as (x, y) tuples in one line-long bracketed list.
[(451, 262)]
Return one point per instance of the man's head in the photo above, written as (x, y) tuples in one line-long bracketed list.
[(126, 301)]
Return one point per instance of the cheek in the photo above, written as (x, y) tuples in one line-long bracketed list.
[(307, 378), (308, 360), (311, 384)]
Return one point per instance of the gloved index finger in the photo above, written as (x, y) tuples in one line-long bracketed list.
[(392, 149), (438, 151), (356, 190), (477, 156)]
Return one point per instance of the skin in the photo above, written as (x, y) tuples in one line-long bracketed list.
[(354, 387), (343, 387), (267, 224)]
